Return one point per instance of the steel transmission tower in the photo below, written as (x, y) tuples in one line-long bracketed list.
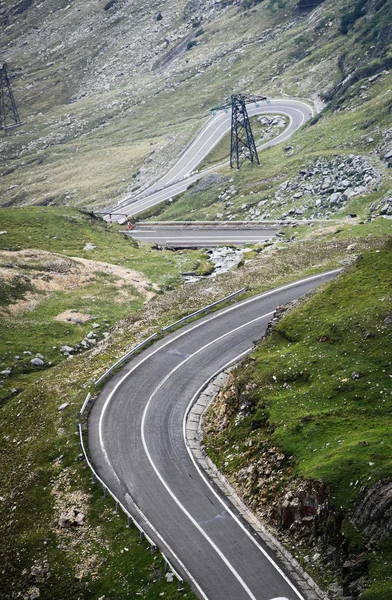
[(9, 116), (242, 143)]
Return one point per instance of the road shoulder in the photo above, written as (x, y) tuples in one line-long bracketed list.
[(194, 442)]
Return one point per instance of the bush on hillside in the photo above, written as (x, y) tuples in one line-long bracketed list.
[(348, 19), (308, 4)]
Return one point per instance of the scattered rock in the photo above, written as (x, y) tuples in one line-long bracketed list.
[(40, 571), (71, 518), (63, 406), (387, 319), (37, 362), (66, 350), (32, 593)]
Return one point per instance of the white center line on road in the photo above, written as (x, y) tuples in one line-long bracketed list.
[(198, 324), (175, 338), (158, 474), (201, 146)]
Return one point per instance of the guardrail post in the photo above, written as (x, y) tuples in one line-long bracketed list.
[(128, 521), (142, 535), (116, 507), (104, 491), (180, 585)]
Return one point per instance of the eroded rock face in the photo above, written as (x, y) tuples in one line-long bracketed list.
[(373, 512), (304, 505)]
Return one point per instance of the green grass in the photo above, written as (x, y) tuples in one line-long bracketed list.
[(40, 468), (87, 150), (67, 231), (334, 133), (35, 434), (319, 388), (106, 298)]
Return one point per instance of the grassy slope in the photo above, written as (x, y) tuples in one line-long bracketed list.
[(65, 232), (305, 401), (41, 473), (86, 151), (38, 483), (336, 133)]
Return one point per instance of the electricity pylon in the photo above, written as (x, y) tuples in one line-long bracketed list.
[(9, 116), (242, 143)]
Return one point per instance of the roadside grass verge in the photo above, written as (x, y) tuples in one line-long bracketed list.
[(43, 478), (319, 389)]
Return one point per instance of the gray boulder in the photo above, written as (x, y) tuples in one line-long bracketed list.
[(66, 349), (37, 362)]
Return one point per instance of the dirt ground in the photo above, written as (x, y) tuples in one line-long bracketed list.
[(49, 272)]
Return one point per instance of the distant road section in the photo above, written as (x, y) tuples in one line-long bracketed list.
[(183, 173), (202, 237)]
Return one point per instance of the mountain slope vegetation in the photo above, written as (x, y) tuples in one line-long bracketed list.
[(302, 428), (110, 92)]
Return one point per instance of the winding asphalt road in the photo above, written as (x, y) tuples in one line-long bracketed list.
[(182, 174), (185, 236), (137, 445)]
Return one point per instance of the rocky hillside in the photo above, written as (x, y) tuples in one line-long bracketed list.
[(110, 92)]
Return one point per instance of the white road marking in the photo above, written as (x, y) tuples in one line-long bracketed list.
[(196, 326), (144, 519), (205, 479), (181, 334), (158, 474), (183, 171)]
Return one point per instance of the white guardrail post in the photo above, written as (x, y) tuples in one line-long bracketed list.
[(89, 400)]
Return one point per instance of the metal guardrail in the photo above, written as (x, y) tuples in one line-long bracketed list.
[(202, 310), (89, 399), (130, 519)]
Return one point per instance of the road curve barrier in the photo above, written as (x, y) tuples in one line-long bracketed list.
[(124, 358), (83, 425), (201, 311)]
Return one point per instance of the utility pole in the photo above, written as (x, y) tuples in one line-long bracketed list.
[(242, 143), (9, 116)]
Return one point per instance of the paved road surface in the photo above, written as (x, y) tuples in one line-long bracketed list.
[(180, 237), (137, 445), (183, 173)]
